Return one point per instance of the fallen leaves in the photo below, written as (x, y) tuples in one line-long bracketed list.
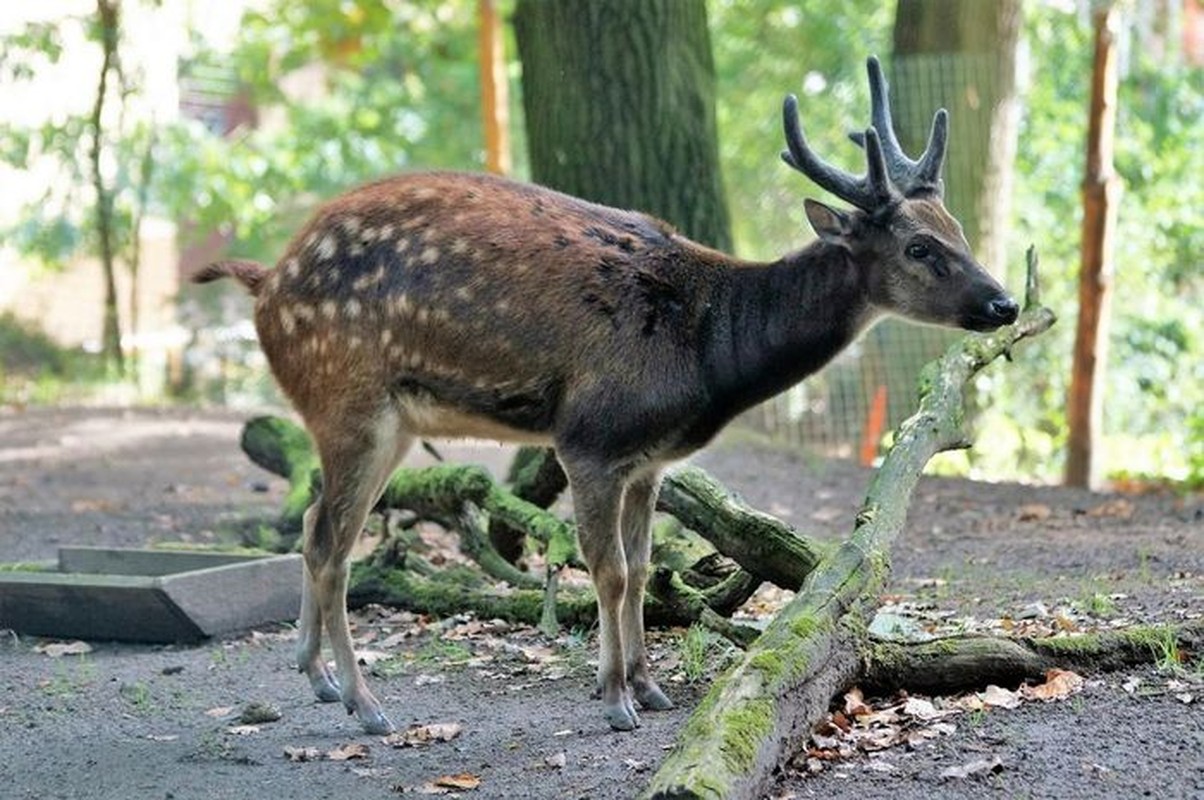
[(861, 726), (444, 784), (346, 752), (422, 735), (1059, 683)]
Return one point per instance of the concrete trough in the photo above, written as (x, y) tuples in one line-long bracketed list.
[(159, 596)]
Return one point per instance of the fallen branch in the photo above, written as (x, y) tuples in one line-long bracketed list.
[(465, 499), (767, 703), (955, 664)]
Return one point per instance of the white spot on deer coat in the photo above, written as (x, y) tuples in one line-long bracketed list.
[(352, 308), (327, 247), (429, 256), (329, 309), (292, 267)]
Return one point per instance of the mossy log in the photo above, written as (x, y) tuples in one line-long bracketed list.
[(459, 498), (761, 544), (765, 705), (535, 476), (961, 663), (758, 542)]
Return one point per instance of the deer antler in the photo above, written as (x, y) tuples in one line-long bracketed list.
[(873, 190), (910, 177)]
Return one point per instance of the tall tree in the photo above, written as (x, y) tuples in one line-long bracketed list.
[(1101, 195), (619, 97), (108, 22)]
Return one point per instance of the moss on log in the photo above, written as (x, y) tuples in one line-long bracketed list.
[(756, 712), (283, 448), (962, 663), (758, 542)]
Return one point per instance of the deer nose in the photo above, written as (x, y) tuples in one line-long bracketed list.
[(1003, 309)]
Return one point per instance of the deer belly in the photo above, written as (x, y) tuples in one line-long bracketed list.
[(448, 406)]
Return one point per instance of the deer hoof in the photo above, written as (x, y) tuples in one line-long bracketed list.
[(622, 719), (325, 687), (651, 697), (376, 723)]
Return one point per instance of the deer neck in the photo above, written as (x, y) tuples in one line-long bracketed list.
[(785, 320)]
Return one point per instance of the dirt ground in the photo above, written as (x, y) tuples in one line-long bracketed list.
[(138, 721)]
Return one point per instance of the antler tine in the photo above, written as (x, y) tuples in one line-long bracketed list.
[(911, 177), (880, 117), (929, 170), (867, 193)]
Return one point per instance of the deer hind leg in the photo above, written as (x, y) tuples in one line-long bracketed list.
[(597, 496), (309, 645), (639, 502), (356, 462)]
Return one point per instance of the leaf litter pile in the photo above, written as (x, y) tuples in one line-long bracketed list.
[(861, 727)]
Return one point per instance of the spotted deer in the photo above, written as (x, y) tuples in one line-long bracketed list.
[(466, 305)]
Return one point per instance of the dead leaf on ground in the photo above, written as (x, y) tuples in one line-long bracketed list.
[(420, 735), (299, 754), (464, 780), (635, 765), (854, 703), (1033, 512), (1059, 683), (999, 697), (982, 766), (367, 658), (556, 760), (220, 711), (59, 649), (924, 710), (347, 752), (242, 730), (1117, 507)]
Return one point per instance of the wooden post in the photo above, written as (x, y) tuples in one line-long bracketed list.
[(495, 97), (1101, 196)]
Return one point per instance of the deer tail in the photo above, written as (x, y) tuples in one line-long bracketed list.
[(249, 273)]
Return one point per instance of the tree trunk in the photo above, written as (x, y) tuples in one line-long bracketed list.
[(1101, 199), (813, 648), (619, 98), (959, 55), (108, 22)]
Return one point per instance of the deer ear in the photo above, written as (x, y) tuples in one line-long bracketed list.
[(829, 224)]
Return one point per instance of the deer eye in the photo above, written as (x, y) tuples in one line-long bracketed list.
[(917, 250)]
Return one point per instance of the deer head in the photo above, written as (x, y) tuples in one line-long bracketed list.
[(916, 257)]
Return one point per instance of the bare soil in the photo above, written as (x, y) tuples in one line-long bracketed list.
[(138, 721)]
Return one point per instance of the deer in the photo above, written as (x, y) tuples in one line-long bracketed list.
[(448, 304)]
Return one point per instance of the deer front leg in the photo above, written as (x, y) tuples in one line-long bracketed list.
[(638, 505), (597, 495)]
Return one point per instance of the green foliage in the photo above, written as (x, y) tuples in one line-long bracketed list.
[(33, 368), (1155, 372), (765, 49), (376, 87)]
